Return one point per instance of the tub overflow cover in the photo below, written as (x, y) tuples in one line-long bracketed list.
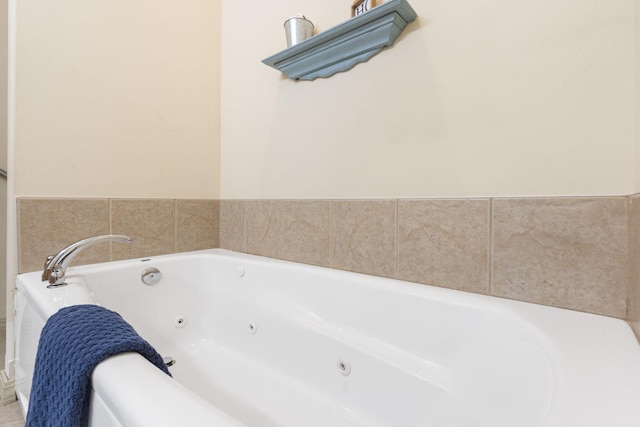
[(151, 276)]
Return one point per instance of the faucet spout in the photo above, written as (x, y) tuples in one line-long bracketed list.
[(55, 267)]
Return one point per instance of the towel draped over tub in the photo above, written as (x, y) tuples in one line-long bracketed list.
[(73, 341)]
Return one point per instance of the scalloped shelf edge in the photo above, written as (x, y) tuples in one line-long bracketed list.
[(341, 47)]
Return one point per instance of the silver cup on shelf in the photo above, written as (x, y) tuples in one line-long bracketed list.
[(297, 29)]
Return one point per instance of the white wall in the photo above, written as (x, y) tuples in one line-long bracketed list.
[(117, 98), (491, 98)]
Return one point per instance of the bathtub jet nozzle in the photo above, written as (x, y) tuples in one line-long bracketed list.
[(55, 267)]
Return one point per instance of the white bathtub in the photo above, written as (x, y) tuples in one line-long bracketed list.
[(261, 342)]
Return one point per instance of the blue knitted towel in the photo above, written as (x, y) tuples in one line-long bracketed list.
[(73, 341)]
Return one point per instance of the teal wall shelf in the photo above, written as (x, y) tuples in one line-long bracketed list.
[(341, 47)]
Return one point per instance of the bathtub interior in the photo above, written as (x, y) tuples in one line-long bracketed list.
[(276, 343)]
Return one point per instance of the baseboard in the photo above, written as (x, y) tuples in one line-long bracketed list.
[(7, 386), (8, 389)]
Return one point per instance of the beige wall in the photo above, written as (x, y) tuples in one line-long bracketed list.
[(121, 99), (117, 98), (636, 91), (3, 78), (490, 98)]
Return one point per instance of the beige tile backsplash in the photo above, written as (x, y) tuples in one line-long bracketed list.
[(158, 226), (445, 243), (233, 234), (262, 220), (151, 223), (565, 252), (47, 225), (303, 231), (364, 236), (197, 225)]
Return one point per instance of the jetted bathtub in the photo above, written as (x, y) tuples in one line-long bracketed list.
[(261, 342)]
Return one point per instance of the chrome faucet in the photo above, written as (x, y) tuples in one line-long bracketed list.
[(56, 265)]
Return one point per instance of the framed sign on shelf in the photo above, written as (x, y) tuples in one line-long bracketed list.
[(361, 6)]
